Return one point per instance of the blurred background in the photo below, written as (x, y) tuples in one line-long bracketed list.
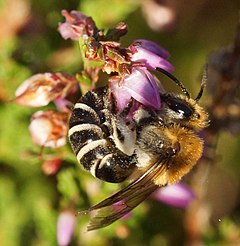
[(34, 194)]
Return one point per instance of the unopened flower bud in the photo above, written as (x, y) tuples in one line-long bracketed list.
[(40, 89), (49, 128), (65, 227), (51, 166)]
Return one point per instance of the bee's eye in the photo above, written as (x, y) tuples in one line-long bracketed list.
[(180, 107)]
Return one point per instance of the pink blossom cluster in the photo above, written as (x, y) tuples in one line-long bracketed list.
[(129, 69)]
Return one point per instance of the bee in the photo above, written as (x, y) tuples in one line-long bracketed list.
[(154, 148)]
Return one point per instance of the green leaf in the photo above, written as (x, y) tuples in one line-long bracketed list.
[(67, 184), (108, 12)]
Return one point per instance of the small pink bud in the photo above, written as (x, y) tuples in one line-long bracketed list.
[(65, 227), (50, 167), (49, 128)]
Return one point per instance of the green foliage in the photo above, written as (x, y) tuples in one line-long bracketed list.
[(108, 12), (67, 184)]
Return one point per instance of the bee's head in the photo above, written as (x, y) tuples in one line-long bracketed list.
[(184, 111)]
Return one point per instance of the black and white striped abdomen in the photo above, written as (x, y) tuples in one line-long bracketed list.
[(91, 130)]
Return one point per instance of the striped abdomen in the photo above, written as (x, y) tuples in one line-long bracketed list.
[(93, 131)]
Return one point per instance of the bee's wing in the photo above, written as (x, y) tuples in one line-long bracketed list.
[(119, 204)]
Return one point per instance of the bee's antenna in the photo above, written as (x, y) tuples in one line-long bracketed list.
[(203, 83), (172, 77)]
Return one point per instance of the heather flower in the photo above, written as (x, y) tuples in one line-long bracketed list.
[(178, 195), (65, 227), (51, 166), (153, 47), (140, 85), (133, 80), (77, 25), (136, 81), (40, 89), (49, 128), (120, 93), (131, 64), (150, 54)]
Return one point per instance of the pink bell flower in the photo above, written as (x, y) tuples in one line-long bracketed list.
[(65, 227), (153, 47), (178, 195), (140, 85), (150, 54)]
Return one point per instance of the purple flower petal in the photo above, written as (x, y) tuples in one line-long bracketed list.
[(153, 47), (121, 94), (150, 59), (65, 227), (141, 85), (178, 195)]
